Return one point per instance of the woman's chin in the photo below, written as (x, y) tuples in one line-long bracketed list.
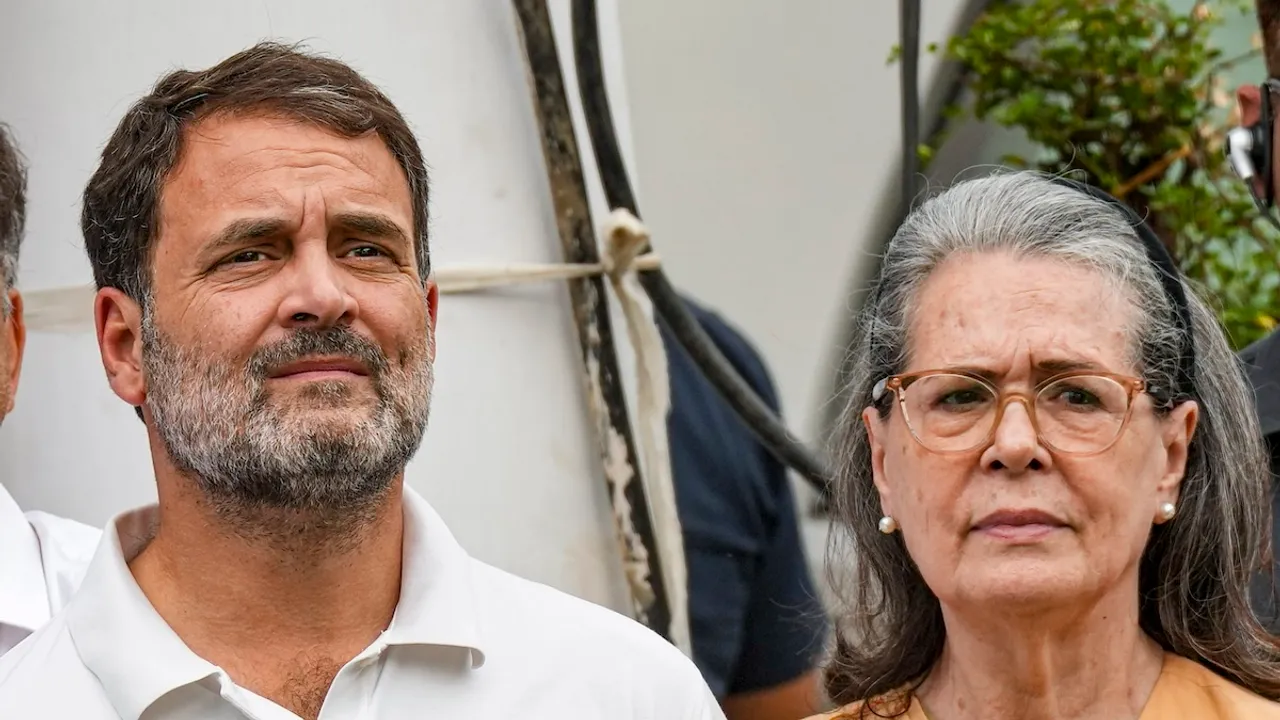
[(1021, 584)]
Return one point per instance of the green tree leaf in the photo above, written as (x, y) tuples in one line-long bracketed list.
[(1126, 91)]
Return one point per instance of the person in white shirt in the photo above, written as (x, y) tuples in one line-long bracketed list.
[(258, 234), (42, 556)]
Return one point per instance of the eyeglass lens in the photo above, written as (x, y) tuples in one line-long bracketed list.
[(950, 413)]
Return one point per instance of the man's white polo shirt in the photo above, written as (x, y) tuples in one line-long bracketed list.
[(42, 559), (467, 641)]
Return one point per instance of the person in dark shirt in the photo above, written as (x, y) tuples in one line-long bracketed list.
[(757, 625), (1262, 363), (1262, 358)]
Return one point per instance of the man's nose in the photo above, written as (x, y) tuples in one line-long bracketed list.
[(318, 294)]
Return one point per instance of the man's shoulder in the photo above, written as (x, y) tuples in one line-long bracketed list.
[(69, 539), (560, 613), (610, 651), (43, 677), (591, 632), (66, 548), (37, 653)]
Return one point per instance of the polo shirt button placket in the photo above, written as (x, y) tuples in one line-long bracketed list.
[(351, 694)]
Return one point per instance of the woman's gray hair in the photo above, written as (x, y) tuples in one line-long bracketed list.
[(1195, 570)]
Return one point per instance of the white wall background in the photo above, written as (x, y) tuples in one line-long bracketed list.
[(764, 134)]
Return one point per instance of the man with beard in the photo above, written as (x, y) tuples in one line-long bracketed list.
[(41, 556), (258, 234)]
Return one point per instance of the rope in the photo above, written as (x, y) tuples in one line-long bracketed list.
[(626, 238), (70, 310)]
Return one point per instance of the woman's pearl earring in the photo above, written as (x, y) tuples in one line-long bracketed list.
[(888, 525), (1167, 511)]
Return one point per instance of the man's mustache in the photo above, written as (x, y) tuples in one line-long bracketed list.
[(308, 343)]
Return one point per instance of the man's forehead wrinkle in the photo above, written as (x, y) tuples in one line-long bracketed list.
[(217, 134), (283, 155), (312, 197)]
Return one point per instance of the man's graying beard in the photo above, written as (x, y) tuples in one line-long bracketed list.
[(221, 427)]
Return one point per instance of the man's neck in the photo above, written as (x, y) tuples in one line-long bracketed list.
[(1092, 662), (282, 608)]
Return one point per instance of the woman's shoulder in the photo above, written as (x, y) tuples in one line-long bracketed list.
[(1188, 689), (901, 705)]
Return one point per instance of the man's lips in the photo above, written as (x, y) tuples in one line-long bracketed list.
[(319, 368)]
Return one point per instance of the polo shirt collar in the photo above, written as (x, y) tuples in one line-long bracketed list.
[(24, 597), (121, 639), (138, 658), (439, 603)]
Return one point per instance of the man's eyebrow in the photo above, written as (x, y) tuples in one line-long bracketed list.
[(240, 232), (373, 225)]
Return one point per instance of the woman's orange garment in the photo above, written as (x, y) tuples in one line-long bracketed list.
[(1186, 689)]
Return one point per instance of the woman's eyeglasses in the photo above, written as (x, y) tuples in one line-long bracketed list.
[(1079, 413)]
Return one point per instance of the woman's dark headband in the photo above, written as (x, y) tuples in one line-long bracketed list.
[(1170, 279)]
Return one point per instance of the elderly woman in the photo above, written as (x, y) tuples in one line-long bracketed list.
[(1052, 476)]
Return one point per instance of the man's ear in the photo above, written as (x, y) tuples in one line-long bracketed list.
[(1249, 103), (871, 420), (118, 320), (433, 309), (13, 333)]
